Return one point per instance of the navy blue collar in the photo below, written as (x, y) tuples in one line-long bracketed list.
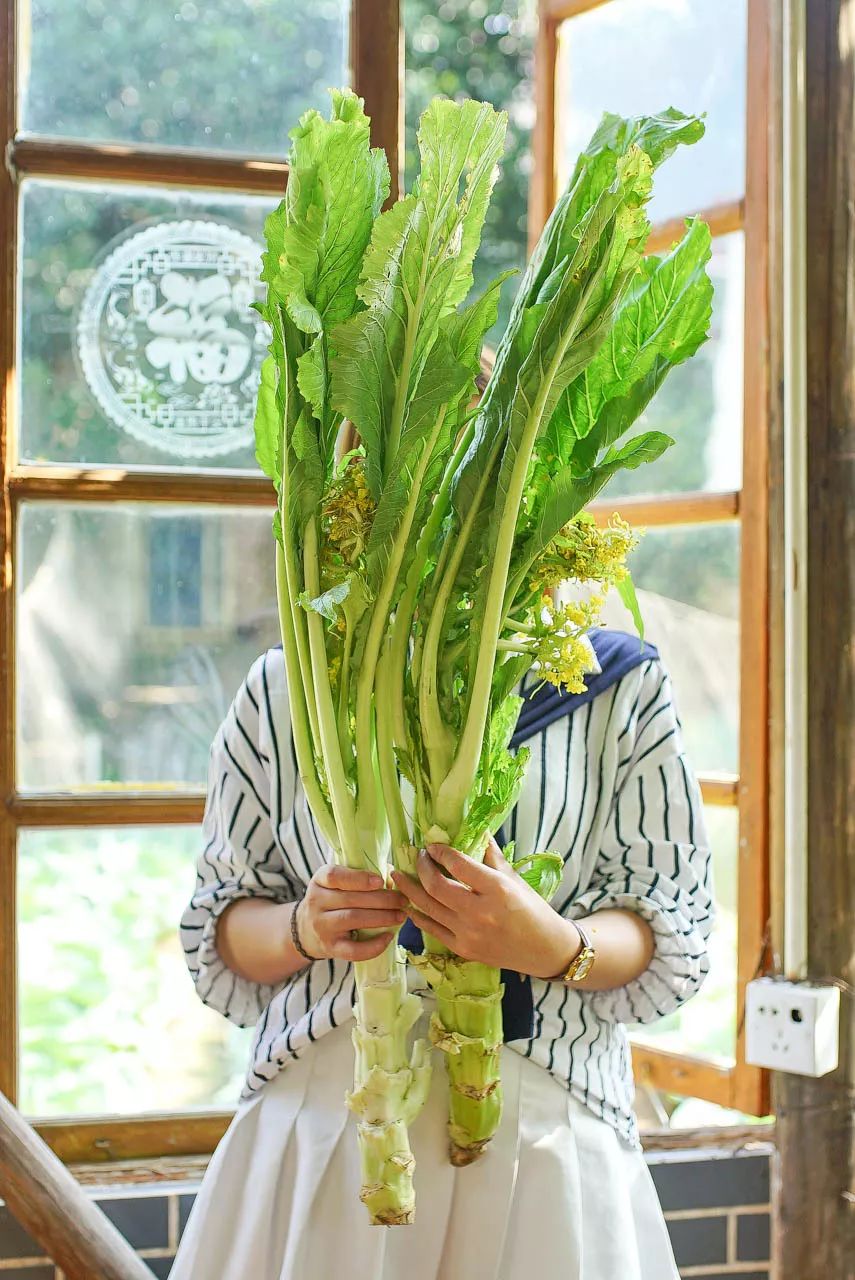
[(616, 652)]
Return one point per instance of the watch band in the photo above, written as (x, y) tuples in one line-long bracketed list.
[(581, 964)]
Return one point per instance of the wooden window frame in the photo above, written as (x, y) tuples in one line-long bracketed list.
[(377, 74), (740, 1086)]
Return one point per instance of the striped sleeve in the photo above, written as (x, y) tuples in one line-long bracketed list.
[(239, 858), (655, 859)]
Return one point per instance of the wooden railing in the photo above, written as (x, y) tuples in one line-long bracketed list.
[(49, 1204)]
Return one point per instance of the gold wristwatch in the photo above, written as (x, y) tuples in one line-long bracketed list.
[(580, 965)]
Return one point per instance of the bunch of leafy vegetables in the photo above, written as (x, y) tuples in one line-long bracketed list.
[(415, 574)]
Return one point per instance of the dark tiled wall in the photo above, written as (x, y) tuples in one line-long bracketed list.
[(716, 1205)]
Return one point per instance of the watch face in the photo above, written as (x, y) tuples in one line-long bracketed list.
[(586, 961)]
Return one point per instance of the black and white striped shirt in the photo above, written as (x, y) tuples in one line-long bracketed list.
[(608, 786)]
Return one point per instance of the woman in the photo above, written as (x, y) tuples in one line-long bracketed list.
[(563, 1187)]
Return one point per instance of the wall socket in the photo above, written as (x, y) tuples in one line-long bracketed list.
[(792, 1026)]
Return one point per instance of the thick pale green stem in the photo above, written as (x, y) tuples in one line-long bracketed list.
[(435, 733), (403, 855), (377, 627), (343, 715), (390, 1085), (406, 606), (467, 1027), (340, 795), (299, 710), (289, 587), (451, 796)]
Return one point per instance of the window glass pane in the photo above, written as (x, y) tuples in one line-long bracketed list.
[(138, 344), (700, 403), (135, 626), (230, 75), (467, 49), (688, 589), (705, 1026), (110, 1022), (637, 57)]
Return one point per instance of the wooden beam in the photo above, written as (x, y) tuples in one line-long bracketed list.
[(721, 218), (670, 509), (164, 1170), (561, 10), (51, 1205), (720, 789), (152, 166), (681, 1074), (217, 487), (86, 1141), (126, 808), (726, 1137), (118, 808), (157, 484), (816, 1117), (376, 60)]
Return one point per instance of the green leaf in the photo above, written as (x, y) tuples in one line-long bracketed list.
[(567, 493), (499, 792), (508, 675), (502, 725), (317, 237), (556, 340), (416, 271), (665, 317), (542, 871), (313, 383), (641, 449), (595, 170), (569, 331), (445, 129), (428, 430), (312, 377), (328, 603), (305, 471), (627, 593), (447, 382), (617, 417), (268, 423)]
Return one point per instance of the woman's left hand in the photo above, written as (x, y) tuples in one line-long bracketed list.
[(487, 912)]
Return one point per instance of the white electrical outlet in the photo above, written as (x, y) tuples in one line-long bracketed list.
[(792, 1026)]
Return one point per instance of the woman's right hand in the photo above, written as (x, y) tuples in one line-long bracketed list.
[(340, 901)]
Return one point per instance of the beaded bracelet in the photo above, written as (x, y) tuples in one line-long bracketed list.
[(295, 935)]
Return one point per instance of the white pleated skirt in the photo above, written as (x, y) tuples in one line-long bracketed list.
[(557, 1193)]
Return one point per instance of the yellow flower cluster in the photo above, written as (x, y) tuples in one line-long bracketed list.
[(348, 514), (585, 553), (563, 654), (564, 661)]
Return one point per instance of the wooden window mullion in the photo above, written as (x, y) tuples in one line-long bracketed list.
[(376, 59), (8, 828), (148, 166), (751, 1084)]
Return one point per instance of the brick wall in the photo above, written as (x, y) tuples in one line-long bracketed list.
[(716, 1204)]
